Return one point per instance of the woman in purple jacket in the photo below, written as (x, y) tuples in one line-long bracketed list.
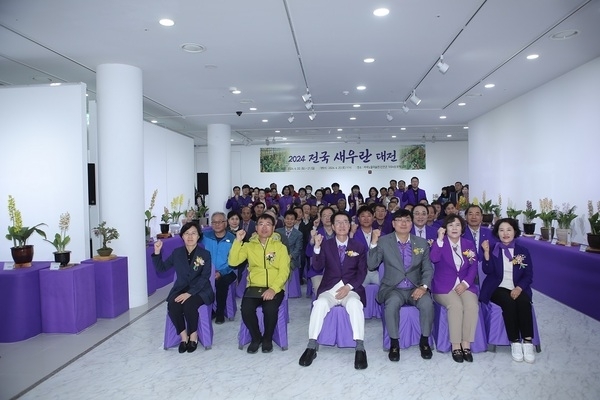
[(453, 284), (509, 271)]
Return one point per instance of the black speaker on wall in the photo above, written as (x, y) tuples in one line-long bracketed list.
[(91, 184), (202, 182)]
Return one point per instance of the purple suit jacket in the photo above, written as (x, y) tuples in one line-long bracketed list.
[(484, 234), (409, 197), (494, 268), (285, 203), (445, 273), (430, 232), (352, 271)]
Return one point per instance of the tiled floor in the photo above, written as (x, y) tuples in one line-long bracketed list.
[(131, 364)]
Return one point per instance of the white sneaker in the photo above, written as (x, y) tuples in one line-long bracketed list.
[(516, 351), (528, 353)]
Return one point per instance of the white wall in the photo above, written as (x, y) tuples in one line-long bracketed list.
[(543, 144), (446, 163), (44, 155), (168, 167)]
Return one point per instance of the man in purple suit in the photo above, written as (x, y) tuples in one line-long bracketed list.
[(413, 194), (420, 227), (344, 261)]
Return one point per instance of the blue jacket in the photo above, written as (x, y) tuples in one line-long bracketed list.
[(219, 250)]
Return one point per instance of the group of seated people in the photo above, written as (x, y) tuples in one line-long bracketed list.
[(424, 257)]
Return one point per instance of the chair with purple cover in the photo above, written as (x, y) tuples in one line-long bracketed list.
[(337, 330), (496, 331), (441, 334), (280, 336), (205, 328), (295, 290), (241, 285)]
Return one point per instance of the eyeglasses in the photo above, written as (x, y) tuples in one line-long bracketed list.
[(341, 223), (217, 222), (402, 220), (190, 234)]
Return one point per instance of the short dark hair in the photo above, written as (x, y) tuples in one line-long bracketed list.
[(473, 206), (511, 221), (363, 209), (326, 208), (335, 184), (236, 187), (187, 226), (453, 217), (420, 205), (377, 205), (289, 212), (341, 212), (246, 186), (414, 177), (402, 213), (446, 204), (232, 213), (267, 216)]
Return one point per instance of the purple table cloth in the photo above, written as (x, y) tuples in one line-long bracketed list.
[(157, 280), (566, 274), (20, 313), (68, 299), (112, 287)]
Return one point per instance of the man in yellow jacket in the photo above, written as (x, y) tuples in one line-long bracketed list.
[(268, 271)]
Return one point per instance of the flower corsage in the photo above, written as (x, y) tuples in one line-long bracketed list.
[(198, 262), (519, 260), (270, 256), (351, 253), (470, 254), (418, 250)]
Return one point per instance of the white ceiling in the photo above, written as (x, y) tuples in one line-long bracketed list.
[(272, 49)]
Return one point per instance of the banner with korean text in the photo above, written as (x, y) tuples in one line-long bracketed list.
[(347, 157)]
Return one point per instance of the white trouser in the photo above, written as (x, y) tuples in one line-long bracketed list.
[(326, 301)]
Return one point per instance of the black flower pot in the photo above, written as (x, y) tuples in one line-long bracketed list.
[(22, 255), (593, 242), (164, 228), (62, 257), (529, 229)]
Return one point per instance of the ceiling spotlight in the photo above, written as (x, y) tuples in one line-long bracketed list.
[(308, 104), (267, 141), (306, 97), (389, 116), (441, 65), (291, 118), (312, 115), (414, 99), (405, 108), (424, 139)]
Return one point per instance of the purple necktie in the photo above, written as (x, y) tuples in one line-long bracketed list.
[(342, 252)]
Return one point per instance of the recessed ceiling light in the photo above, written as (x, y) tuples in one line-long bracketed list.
[(193, 48), (369, 60), (393, 136), (465, 127), (352, 118), (448, 135), (210, 66), (55, 84), (231, 140), (339, 137), (402, 129), (166, 22), (462, 104), (265, 120), (563, 35), (235, 91), (154, 121), (489, 86), (356, 105), (442, 117), (252, 108), (283, 138), (532, 56), (339, 129), (277, 131), (361, 87), (381, 12)]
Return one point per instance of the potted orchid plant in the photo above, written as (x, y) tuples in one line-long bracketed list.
[(148, 214), (594, 234), (530, 214), (61, 240), (564, 217), (547, 215), (22, 253)]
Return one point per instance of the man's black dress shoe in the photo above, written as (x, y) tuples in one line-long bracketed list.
[(219, 319), (267, 346), (192, 346), (307, 357), (253, 347), (467, 355), (394, 354), (183, 347), (426, 352), (457, 355), (360, 359)]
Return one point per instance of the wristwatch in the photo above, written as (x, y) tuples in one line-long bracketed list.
[(425, 286)]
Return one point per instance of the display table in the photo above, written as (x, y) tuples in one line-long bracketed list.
[(112, 286), (20, 310), (157, 280), (566, 274), (68, 299)]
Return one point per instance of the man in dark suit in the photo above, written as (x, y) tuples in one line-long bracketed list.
[(291, 238), (406, 279), (478, 234), (344, 263), (413, 194)]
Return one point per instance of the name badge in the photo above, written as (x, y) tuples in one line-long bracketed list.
[(54, 266), (582, 247)]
